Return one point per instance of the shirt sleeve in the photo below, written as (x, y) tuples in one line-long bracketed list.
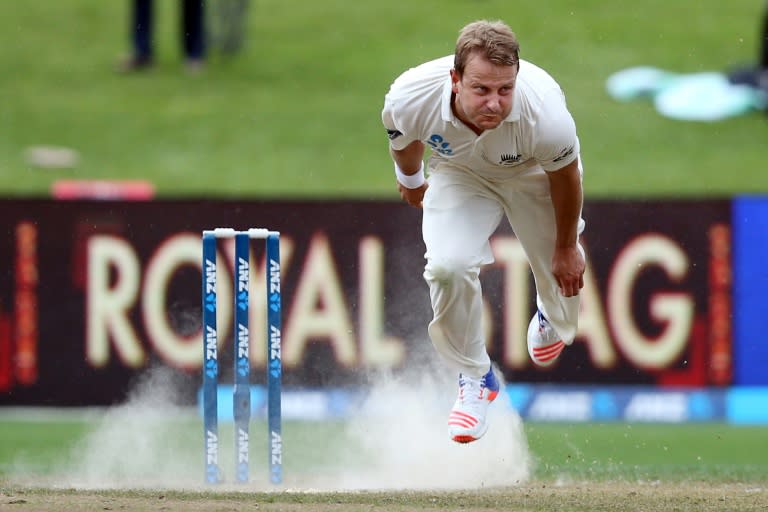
[(399, 137), (557, 144)]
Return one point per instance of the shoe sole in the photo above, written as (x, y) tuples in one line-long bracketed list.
[(466, 438)]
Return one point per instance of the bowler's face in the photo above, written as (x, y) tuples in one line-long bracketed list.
[(483, 93)]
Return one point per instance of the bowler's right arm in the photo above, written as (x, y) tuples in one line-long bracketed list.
[(410, 160)]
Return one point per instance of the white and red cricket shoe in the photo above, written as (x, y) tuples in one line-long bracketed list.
[(467, 423), (544, 344)]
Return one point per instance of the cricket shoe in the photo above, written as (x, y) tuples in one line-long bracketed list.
[(466, 422), (544, 344)]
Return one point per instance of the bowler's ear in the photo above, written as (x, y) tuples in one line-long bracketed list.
[(455, 79)]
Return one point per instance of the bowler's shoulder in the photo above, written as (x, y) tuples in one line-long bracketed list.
[(538, 91), (533, 76), (428, 77)]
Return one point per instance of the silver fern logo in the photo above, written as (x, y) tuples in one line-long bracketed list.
[(509, 159)]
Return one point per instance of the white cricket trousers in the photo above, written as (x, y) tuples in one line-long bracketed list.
[(461, 210)]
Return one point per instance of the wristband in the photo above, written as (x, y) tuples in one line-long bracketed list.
[(410, 181)]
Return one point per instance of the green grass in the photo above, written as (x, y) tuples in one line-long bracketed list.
[(578, 452), (297, 112), (38, 446), (712, 451)]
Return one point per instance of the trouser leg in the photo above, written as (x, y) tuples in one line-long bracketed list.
[(457, 222), (141, 29), (764, 40), (193, 28), (532, 217)]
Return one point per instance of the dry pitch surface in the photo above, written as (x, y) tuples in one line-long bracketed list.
[(647, 497), (134, 458)]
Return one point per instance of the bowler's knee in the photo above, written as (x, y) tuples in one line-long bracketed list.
[(446, 271)]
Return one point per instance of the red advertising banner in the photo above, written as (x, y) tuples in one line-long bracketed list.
[(95, 293)]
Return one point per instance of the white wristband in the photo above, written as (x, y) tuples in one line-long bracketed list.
[(410, 181)]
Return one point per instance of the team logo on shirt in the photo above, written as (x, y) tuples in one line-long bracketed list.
[(439, 144), (509, 159)]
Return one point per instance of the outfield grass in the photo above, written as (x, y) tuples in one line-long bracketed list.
[(716, 451), (560, 452), (297, 112)]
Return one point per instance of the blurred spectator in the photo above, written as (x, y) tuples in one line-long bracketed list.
[(755, 76), (763, 80), (192, 33)]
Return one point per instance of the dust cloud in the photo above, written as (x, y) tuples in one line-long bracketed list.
[(396, 439), (141, 443), (403, 433)]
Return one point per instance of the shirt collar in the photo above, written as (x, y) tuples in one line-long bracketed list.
[(514, 114), (446, 111)]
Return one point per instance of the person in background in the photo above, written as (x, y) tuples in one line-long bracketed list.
[(192, 32), (503, 143), (762, 80), (755, 75)]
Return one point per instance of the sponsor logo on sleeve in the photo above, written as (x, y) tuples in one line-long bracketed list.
[(564, 154), (393, 134)]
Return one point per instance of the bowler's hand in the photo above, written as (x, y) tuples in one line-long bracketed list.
[(413, 196), (568, 268)]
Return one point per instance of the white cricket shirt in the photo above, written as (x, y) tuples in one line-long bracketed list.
[(539, 132)]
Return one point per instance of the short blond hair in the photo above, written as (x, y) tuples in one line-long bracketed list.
[(494, 39)]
